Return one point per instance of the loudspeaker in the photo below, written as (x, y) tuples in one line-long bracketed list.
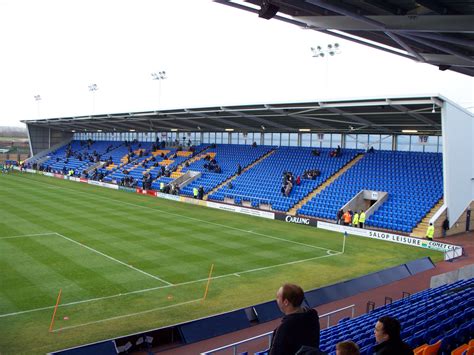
[(268, 10)]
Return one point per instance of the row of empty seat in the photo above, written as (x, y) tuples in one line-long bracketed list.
[(413, 180)]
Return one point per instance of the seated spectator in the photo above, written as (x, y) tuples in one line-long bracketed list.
[(316, 152), (254, 144), (387, 336), (347, 348), (299, 327), (298, 181)]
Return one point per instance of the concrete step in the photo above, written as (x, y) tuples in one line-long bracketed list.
[(325, 184)]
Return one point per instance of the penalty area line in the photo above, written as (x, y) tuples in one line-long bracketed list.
[(93, 196), (235, 274), (116, 260), (28, 235), (127, 315)]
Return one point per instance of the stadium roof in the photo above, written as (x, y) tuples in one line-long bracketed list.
[(371, 115), (438, 32)]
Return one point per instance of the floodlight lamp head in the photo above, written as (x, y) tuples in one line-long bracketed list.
[(321, 55), (331, 53), (319, 48), (336, 45), (329, 46)]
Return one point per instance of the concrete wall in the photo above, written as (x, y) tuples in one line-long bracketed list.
[(458, 159), (463, 273), (43, 138)]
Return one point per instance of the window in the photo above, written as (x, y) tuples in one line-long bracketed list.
[(326, 141), (418, 143), (243, 138), (285, 137), (351, 141), (336, 139), (257, 137), (234, 138), (219, 137), (306, 140), (212, 137), (432, 145), (403, 143), (362, 141), (386, 142), (293, 140), (225, 138), (276, 139), (267, 139)]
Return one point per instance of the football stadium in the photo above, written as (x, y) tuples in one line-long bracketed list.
[(170, 231)]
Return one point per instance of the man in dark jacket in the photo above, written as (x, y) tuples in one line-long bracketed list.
[(387, 336), (299, 326)]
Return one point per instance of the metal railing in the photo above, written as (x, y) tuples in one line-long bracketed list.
[(234, 346)]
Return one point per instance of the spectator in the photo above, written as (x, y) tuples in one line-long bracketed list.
[(445, 227), (387, 336), (239, 169), (298, 181), (430, 232), (195, 192), (362, 219), (355, 220), (201, 192), (347, 218), (339, 216), (347, 347), (299, 327)]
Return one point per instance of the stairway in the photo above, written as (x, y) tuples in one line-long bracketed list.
[(420, 230), (176, 174), (325, 184), (248, 167)]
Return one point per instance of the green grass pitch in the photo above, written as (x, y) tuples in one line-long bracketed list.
[(127, 263)]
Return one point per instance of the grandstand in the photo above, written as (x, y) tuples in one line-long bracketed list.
[(403, 182), (106, 249)]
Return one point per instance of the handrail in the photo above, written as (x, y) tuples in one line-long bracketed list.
[(438, 213), (269, 334)]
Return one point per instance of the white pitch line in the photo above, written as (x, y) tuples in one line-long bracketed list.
[(284, 264), (126, 315), (187, 217), (27, 235), (116, 260), (236, 274), (335, 253)]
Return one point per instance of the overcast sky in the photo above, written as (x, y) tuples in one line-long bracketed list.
[(212, 54)]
